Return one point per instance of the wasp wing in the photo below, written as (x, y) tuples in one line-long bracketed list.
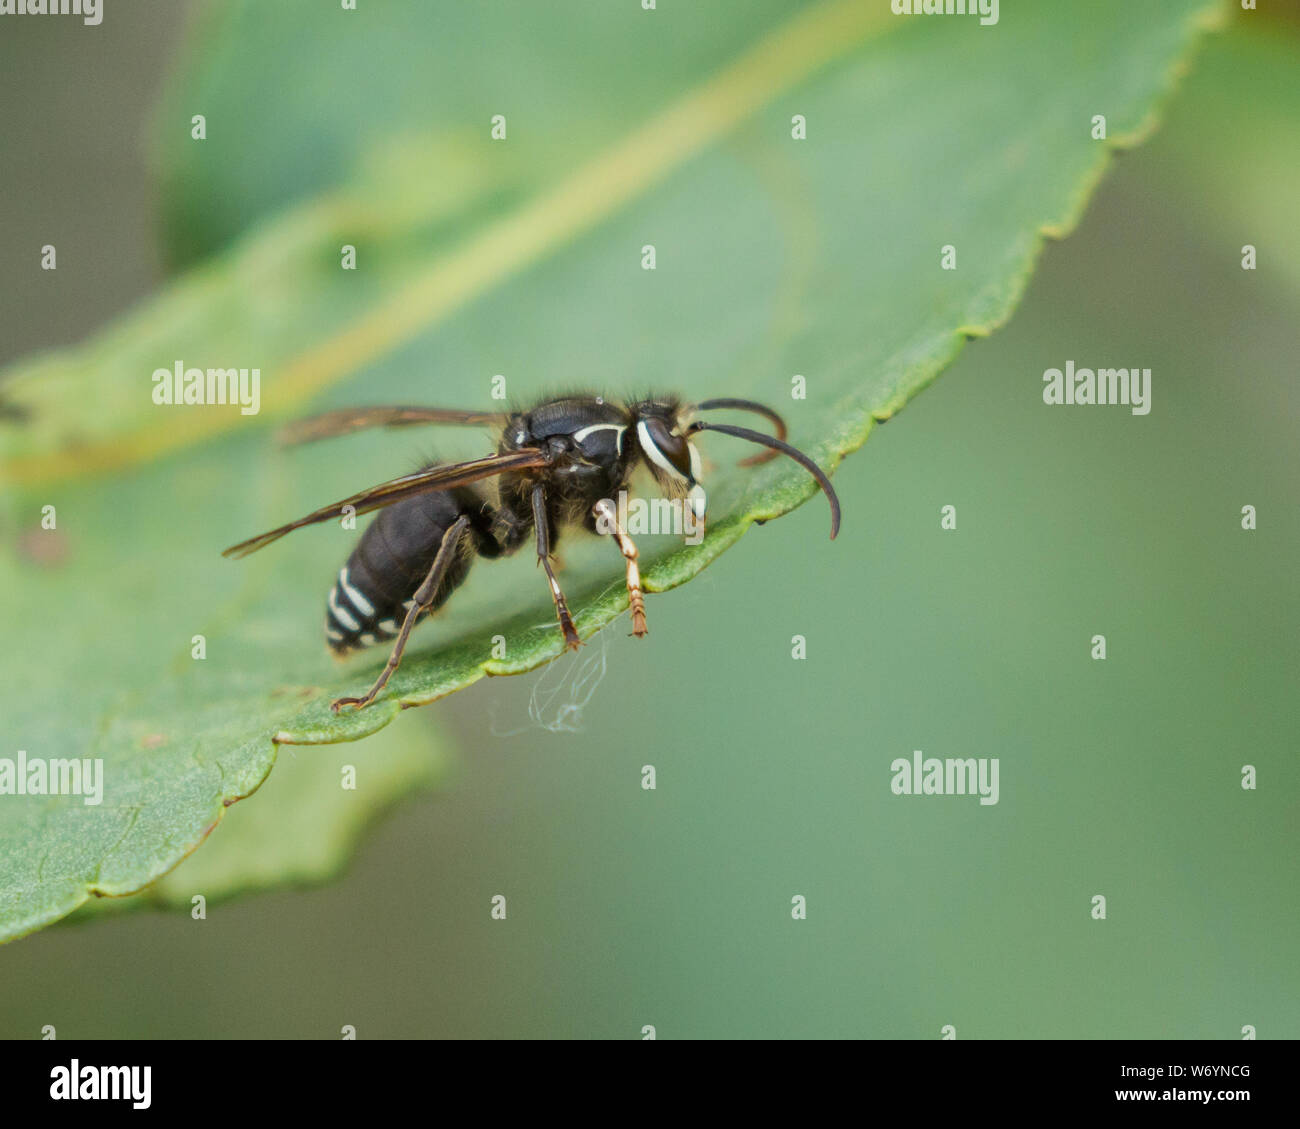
[(346, 420), (399, 489)]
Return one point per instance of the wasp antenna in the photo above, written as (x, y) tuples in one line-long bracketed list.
[(748, 406), (783, 448)]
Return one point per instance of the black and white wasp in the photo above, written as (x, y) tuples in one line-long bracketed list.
[(559, 464)]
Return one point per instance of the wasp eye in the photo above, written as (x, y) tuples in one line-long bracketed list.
[(669, 452)]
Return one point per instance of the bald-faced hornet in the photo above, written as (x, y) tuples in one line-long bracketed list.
[(559, 464)]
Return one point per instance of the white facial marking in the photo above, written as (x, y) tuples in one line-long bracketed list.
[(695, 461), (655, 455), (355, 598), (333, 634), (698, 501)]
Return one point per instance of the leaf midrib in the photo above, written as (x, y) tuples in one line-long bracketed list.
[(787, 55)]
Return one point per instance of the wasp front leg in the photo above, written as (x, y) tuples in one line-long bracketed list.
[(542, 522), (607, 519)]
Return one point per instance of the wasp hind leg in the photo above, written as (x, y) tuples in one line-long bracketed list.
[(542, 522), (607, 517), (420, 603)]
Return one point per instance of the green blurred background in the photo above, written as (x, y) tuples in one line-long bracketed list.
[(672, 907)]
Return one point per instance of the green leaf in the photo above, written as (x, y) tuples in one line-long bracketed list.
[(307, 819), (571, 76), (776, 256)]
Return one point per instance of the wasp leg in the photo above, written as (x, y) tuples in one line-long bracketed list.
[(421, 601), (542, 523), (636, 597)]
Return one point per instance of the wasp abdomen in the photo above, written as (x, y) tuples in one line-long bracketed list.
[(375, 589)]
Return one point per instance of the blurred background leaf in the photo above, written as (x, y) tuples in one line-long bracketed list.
[(310, 813), (403, 101), (306, 825)]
